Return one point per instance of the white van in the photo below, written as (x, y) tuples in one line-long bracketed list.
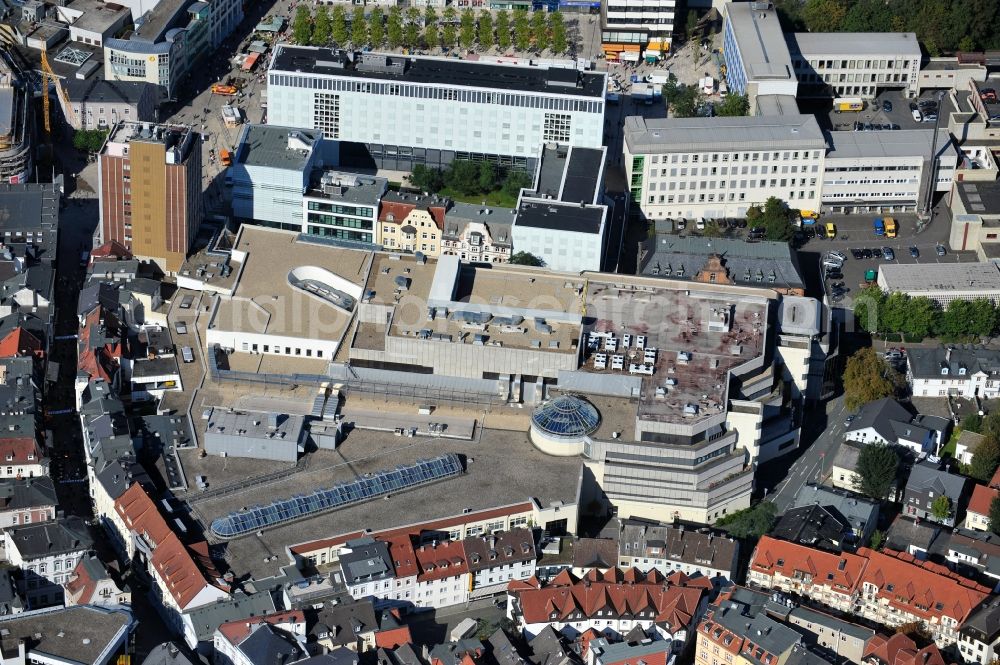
[(187, 354), (917, 115)]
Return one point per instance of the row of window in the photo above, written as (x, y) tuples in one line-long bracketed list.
[(730, 198), (852, 78), (715, 157), (721, 184), (735, 170), (851, 64), (340, 209), (464, 95), (288, 351), (343, 222)]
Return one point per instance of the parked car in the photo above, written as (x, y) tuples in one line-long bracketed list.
[(181, 328), (187, 354), (839, 255), (834, 274), (700, 224), (888, 253), (809, 233), (681, 224), (887, 106), (877, 252), (914, 252), (866, 253), (894, 126), (917, 115), (939, 248), (856, 253)]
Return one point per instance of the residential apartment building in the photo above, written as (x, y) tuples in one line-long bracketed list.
[(178, 578), (22, 458), (855, 64), (628, 26), (979, 636), (46, 553), (927, 484), (889, 588), (281, 635), (886, 171), (614, 602), (427, 110), (757, 59), (99, 103), (669, 548), (718, 167), (478, 234), (737, 630), (959, 372), (977, 514), (495, 560), (889, 422), (411, 222), (150, 191), (91, 584), (27, 501)]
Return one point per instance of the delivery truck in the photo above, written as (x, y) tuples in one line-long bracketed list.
[(848, 104)]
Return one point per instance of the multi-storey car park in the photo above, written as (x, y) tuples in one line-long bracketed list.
[(407, 110)]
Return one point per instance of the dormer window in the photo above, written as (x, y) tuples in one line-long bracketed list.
[(944, 371), (961, 371)]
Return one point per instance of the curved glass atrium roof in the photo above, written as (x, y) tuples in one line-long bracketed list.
[(566, 416), (378, 484)]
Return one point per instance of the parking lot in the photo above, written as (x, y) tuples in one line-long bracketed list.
[(899, 116)]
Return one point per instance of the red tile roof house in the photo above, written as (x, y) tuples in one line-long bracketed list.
[(900, 650), (180, 578), (613, 603), (890, 588), (977, 515)]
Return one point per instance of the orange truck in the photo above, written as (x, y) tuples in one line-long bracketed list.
[(225, 157), (221, 89)]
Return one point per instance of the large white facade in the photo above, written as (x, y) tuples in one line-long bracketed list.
[(432, 110), (719, 167), (855, 64)]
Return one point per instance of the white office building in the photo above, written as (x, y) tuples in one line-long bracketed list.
[(646, 23), (757, 58), (270, 174), (427, 110), (855, 64), (884, 171), (719, 167), (942, 282)]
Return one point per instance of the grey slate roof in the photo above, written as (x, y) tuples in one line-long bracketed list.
[(595, 553), (984, 622), (696, 547), (847, 456), (65, 535), (927, 363), (27, 493), (267, 645), (508, 547), (341, 623), (664, 255), (341, 656), (926, 478), (812, 525), (772, 636), (168, 653), (854, 509), (208, 618), (881, 415), (367, 560), (906, 532)]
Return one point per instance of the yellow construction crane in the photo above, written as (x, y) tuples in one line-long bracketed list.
[(49, 76)]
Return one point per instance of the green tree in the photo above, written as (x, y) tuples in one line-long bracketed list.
[(994, 515), (686, 102), (876, 540), (712, 230), (983, 318), (394, 27), (338, 25), (411, 31), (503, 30), (486, 38), (462, 175), (985, 459), (449, 34), (427, 179), (89, 140), (991, 426), (522, 30), (557, 33), (359, 27), (733, 105), (751, 522), (876, 470), (867, 377), (487, 177), (776, 220), (920, 316), (302, 25), (691, 23), (868, 16), (432, 36), (954, 321), (973, 423), (941, 507), (868, 306), (467, 29), (376, 28), (525, 259), (515, 182), (540, 30), (824, 15), (322, 28)]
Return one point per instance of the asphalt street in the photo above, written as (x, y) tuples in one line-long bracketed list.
[(822, 432)]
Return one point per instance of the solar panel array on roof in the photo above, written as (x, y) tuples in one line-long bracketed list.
[(378, 484)]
